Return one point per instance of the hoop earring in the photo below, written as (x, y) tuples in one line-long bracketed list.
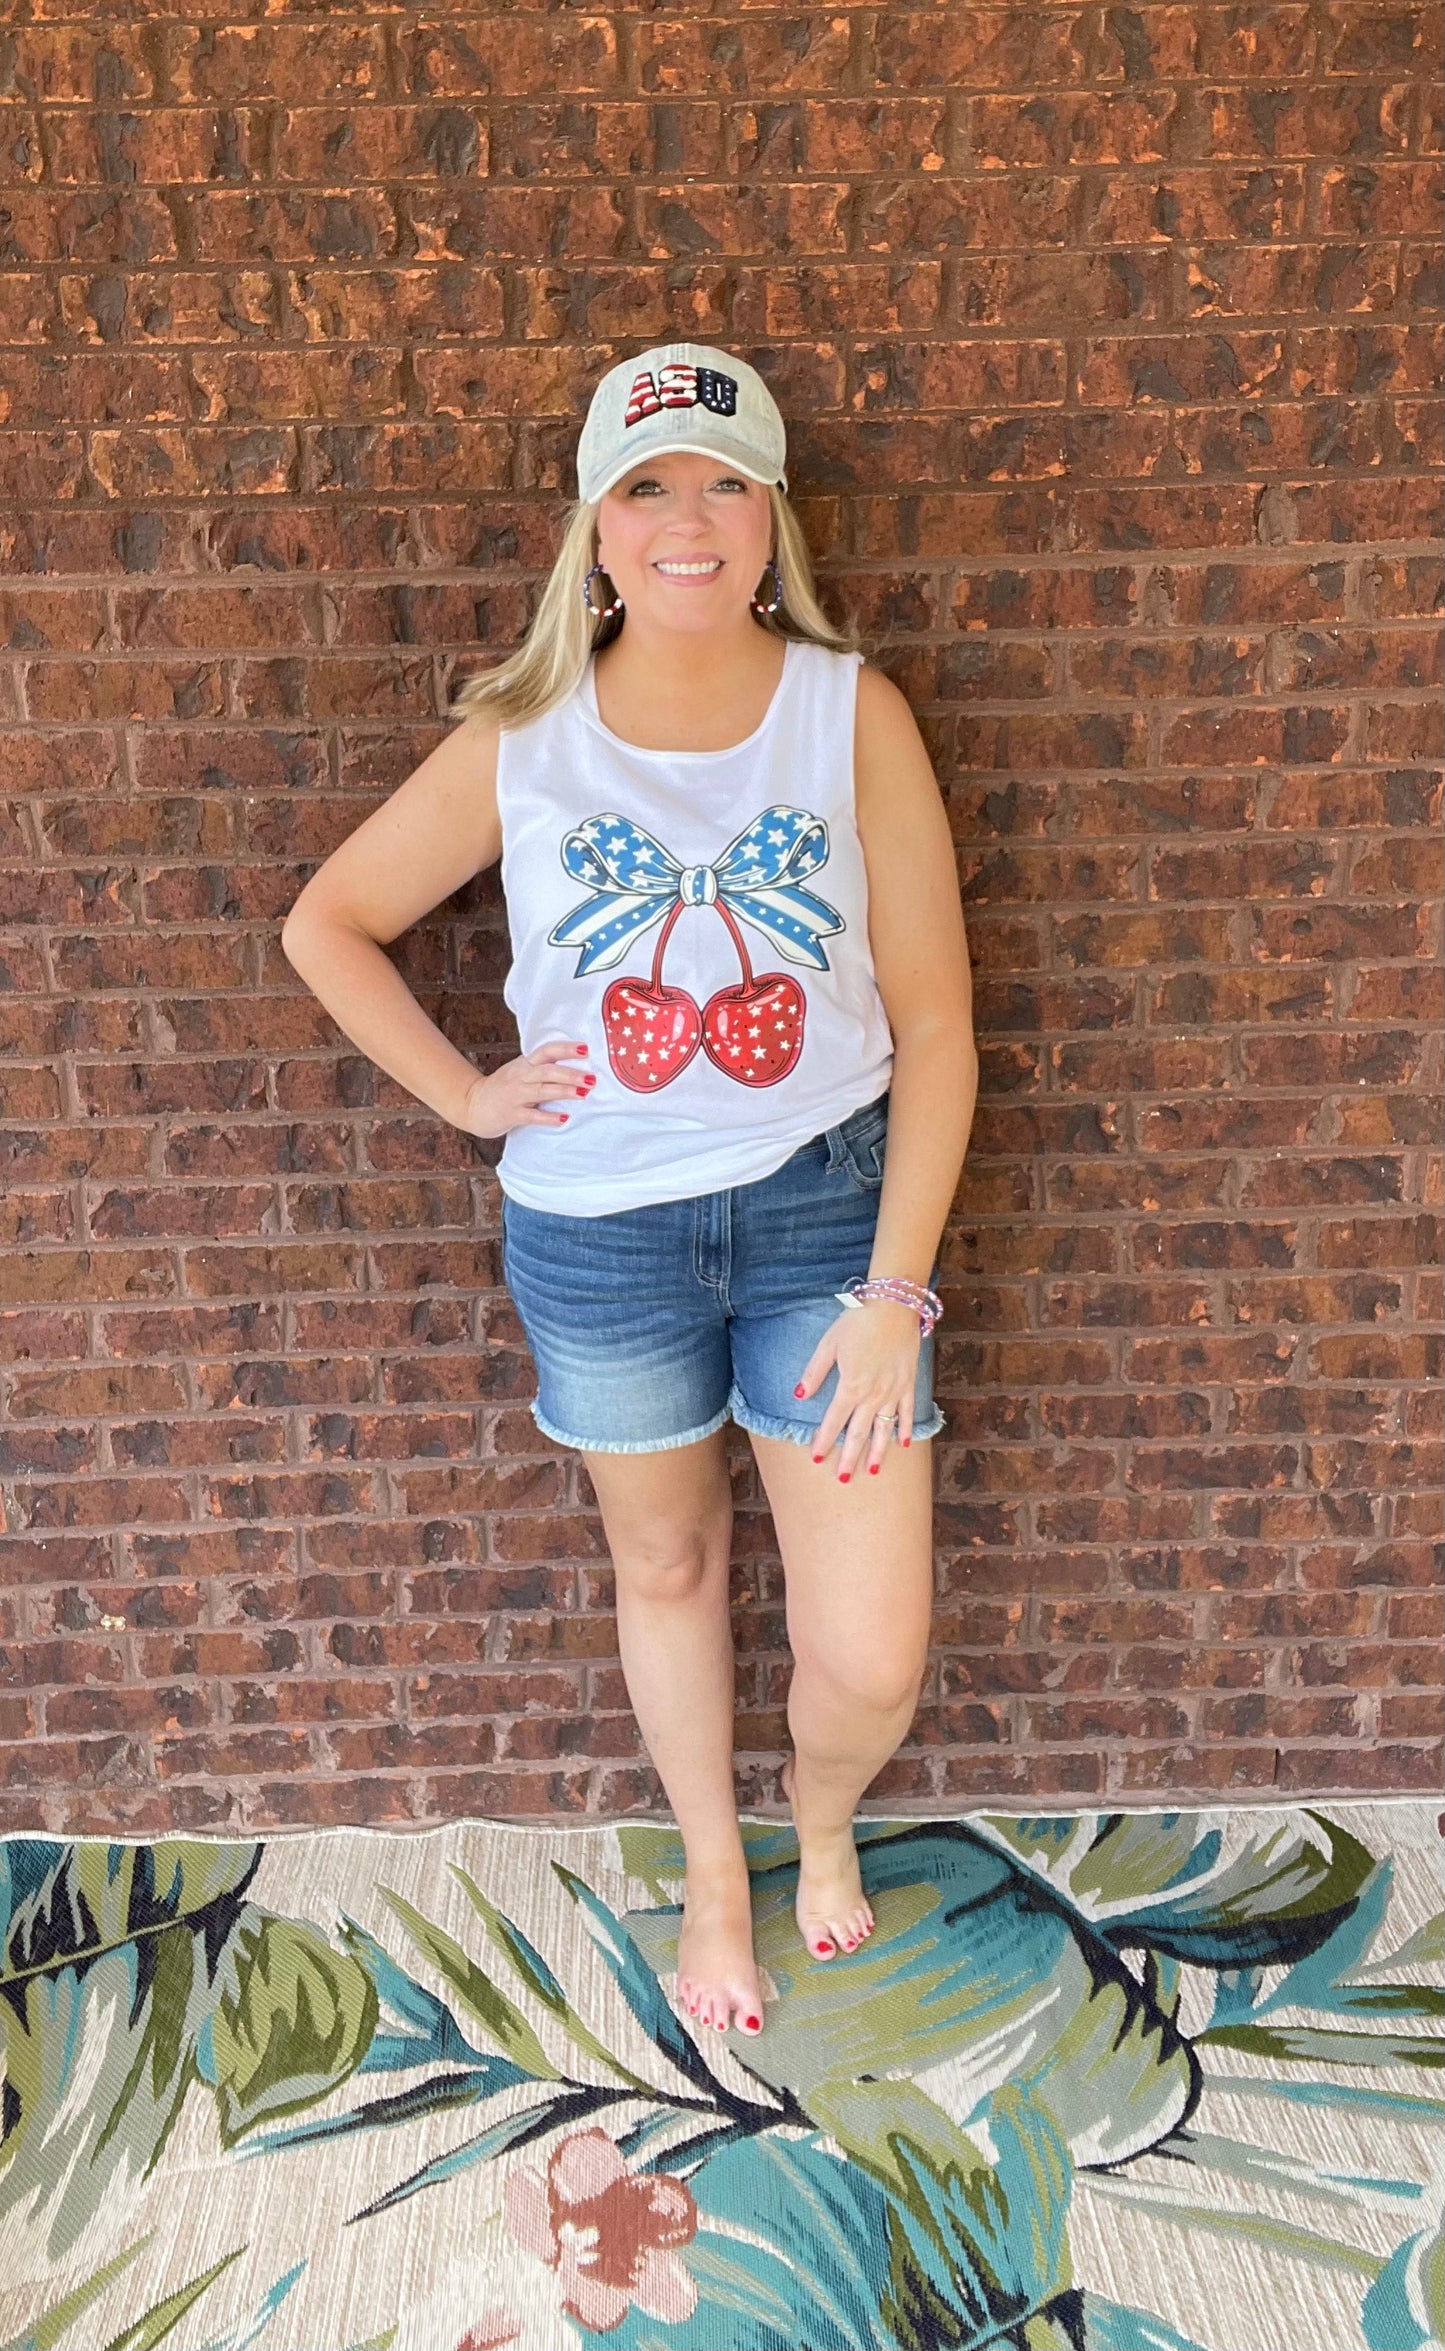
[(608, 609), (770, 566)]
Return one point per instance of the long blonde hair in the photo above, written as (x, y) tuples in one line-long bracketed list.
[(549, 662)]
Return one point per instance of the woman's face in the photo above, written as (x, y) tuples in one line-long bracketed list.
[(685, 540)]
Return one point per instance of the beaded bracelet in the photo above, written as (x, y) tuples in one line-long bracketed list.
[(927, 1302)]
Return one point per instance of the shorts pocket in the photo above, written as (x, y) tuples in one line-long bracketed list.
[(860, 1145)]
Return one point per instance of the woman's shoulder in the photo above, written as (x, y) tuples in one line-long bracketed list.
[(882, 706), (880, 712), (831, 668)]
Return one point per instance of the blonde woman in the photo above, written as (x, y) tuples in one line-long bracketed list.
[(736, 1124)]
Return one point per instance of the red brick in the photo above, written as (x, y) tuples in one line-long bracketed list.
[(1410, 584), (1276, 1183), (1285, 934), (1228, 280), (1212, 201), (988, 48), (1367, 39), (1154, 1770), (694, 57), (1396, 1769), (1077, 128), (1375, 1058), (1312, 121)]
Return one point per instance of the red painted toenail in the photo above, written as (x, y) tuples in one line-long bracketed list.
[(753, 2022)]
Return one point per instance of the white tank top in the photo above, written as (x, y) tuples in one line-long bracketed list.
[(700, 918)]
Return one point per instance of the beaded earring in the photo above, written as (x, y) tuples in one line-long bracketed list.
[(608, 609), (771, 566)]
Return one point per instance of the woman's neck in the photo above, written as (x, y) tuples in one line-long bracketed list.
[(688, 693)]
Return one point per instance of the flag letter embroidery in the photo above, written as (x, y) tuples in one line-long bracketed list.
[(679, 385)]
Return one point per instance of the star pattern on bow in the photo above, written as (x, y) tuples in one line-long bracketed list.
[(635, 881)]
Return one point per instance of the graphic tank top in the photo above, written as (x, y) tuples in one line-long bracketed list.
[(700, 918)]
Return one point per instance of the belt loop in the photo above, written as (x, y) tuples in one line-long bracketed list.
[(836, 1149)]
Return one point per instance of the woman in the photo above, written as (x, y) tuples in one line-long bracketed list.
[(686, 763)]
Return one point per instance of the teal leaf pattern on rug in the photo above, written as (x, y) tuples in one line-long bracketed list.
[(1404, 2309), (1059, 2025)]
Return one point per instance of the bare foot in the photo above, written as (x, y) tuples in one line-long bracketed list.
[(832, 1909), (716, 1970)]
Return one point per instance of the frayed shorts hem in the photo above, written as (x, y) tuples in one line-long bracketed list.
[(638, 1445), (760, 1424), (764, 1424)]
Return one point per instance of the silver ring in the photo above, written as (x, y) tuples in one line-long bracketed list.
[(885, 1420)]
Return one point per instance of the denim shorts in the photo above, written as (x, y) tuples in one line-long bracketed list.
[(651, 1326)]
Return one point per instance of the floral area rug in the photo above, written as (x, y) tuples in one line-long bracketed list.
[(1105, 2082)]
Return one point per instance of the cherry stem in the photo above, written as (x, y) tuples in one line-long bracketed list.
[(656, 980), (737, 942)]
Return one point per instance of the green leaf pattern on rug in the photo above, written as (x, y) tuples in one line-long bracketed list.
[(196, 1986)]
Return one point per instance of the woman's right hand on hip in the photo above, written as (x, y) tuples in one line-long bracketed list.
[(520, 1092)]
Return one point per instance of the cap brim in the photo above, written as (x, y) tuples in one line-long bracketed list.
[(712, 447)]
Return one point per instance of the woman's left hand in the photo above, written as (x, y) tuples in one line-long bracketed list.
[(875, 1347)]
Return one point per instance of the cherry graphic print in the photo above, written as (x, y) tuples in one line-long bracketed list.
[(754, 1029), (652, 1031), (751, 1029)]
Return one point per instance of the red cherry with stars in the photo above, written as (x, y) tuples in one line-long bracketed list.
[(753, 1029), (652, 1031)]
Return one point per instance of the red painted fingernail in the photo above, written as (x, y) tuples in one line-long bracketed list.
[(843, 1476), (581, 1089), (581, 1048), (817, 1456), (564, 1115), (908, 1440), (873, 1468), (799, 1389)]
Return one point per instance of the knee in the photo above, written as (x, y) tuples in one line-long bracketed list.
[(671, 1564), (879, 1681)]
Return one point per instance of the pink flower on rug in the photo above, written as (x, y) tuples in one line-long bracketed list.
[(608, 2233), (491, 2331)]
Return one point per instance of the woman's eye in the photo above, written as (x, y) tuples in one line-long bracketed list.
[(649, 481)]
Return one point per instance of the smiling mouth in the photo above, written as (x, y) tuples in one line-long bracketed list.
[(703, 568)]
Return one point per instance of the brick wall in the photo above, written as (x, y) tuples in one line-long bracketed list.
[(1108, 339)]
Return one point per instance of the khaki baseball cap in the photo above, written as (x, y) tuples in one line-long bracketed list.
[(680, 396)]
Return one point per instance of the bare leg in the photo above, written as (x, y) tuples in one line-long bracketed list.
[(858, 1560), (668, 1518)]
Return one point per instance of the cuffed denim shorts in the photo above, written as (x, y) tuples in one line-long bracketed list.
[(651, 1326)]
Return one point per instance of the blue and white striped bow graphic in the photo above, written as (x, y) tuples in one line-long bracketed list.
[(637, 881)]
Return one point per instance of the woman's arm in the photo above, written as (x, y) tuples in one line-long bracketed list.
[(920, 956), (426, 841)]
